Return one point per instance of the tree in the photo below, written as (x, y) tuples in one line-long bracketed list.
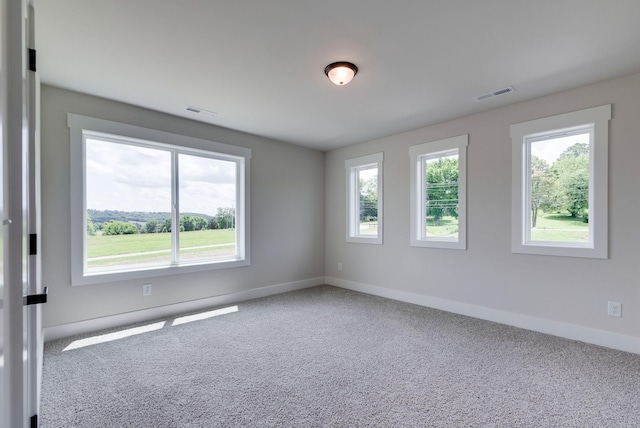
[(190, 223), (91, 228), (187, 223), (200, 223), (572, 170), (151, 226), (442, 188), (543, 185), (226, 218), (212, 223), (577, 150), (166, 226), (369, 198), (117, 227)]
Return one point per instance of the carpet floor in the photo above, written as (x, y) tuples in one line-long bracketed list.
[(328, 357)]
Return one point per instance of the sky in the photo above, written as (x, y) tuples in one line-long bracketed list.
[(131, 178), (550, 150)]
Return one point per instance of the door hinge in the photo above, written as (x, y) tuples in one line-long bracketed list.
[(34, 421), (36, 299), (33, 244), (32, 60)]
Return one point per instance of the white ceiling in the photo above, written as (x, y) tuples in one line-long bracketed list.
[(260, 64)]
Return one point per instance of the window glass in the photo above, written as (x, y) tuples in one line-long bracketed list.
[(207, 208), (438, 193), (367, 180), (364, 199), (559, 188), (127, 187), (441, 196)]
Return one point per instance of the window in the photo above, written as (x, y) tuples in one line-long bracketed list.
[(364, 199), (148, 203), (559, 193), (438, 193)]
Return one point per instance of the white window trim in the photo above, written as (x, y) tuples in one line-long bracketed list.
[(78, 124), (598, 182), (437, 149), (353, 217)]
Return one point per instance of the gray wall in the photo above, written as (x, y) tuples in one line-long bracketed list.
[(562, 289), (287, 215)]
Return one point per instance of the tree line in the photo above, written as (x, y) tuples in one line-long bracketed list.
[(562, 186), (126, 223), (441, 189)]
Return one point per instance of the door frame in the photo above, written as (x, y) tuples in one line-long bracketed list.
[(19, 116)]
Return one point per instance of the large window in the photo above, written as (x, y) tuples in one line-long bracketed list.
[(364, 199), (438, 193), (560, 184), (148, 203)]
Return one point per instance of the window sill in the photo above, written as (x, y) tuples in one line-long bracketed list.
[(155, 271)]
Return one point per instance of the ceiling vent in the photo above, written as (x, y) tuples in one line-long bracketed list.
[(493, 94), (198, 110)]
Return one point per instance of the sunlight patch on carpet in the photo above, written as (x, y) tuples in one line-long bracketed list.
[(204, 315), (94, 340)]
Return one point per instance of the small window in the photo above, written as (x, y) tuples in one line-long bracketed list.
[(364, 199), (147, 203), (438, 193), (560, 184)]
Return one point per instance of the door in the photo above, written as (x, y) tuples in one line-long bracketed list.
[(20, 335), (35, 294)]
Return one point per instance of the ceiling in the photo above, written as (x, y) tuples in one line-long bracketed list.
[(259, 65)]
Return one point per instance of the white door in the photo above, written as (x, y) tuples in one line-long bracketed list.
[(20, 336), (3, 110), (34, 283)]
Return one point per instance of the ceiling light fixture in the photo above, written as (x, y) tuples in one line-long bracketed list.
[(341, 72)]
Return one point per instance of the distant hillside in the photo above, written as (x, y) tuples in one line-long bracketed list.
[(103, 216)]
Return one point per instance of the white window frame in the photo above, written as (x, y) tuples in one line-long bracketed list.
[(522, 134), (353, 166), (82, 127), (418, 154)]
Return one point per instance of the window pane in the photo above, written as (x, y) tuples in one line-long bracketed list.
[(368, 200), (128, 199), (559, 189), (441, 197), (207, 189)]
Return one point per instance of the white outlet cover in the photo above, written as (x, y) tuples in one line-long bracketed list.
[(614, 309), (146, 289)]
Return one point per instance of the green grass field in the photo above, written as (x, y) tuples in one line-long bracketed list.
[(369, 228), (197, 244), (447, 227), (560, 228)]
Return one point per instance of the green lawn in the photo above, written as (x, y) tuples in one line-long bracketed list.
[(165, 257), (100, 245), (447, 227), (121, 250), (369, 228), (560, 228)]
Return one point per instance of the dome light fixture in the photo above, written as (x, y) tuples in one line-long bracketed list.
[(340, 73)]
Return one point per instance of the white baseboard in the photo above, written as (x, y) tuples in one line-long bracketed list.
[(87, 326), (555, 328)]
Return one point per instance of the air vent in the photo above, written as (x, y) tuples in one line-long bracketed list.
[(493, 94), (198, 110)]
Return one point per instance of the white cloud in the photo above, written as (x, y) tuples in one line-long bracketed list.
[(130, 178)]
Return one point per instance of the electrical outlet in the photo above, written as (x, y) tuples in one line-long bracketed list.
[(339, 266), (614, 309), (146, 289)]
